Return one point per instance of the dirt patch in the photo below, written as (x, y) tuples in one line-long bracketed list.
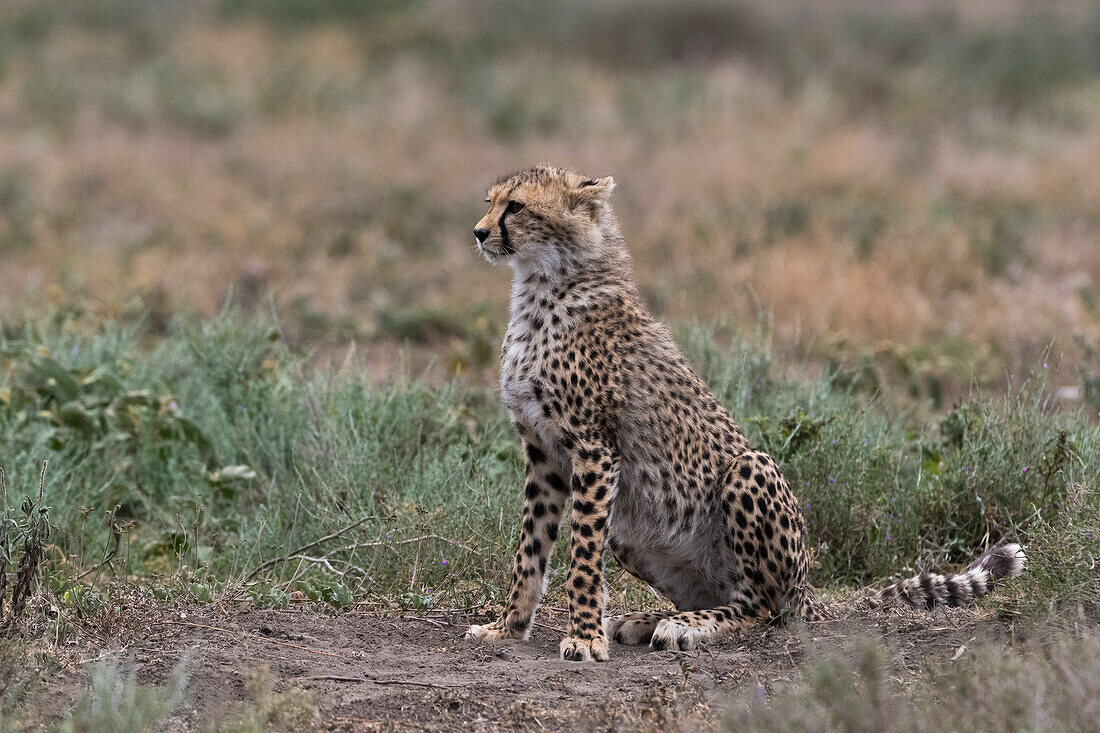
[(371, 672)]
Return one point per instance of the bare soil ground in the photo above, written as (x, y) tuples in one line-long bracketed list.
[(364, 671)]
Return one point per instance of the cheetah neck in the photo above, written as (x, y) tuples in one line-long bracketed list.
[(539, 295)]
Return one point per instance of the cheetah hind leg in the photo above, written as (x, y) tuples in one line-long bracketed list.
[(634, 629), (684, 631)]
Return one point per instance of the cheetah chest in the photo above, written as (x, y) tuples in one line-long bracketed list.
[(521, 360)]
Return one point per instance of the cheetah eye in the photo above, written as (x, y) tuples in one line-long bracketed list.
[(513, 207)]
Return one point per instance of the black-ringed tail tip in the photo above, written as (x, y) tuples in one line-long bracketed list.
[(929, 590), (1003, 561)]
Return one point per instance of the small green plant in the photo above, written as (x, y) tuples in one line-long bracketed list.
[(333, 593), (26, 533), (792, 434), (265, 596)]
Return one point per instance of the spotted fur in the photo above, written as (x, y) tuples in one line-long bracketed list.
[(619, 430)]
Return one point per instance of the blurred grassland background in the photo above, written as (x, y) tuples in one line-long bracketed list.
[(906, 190)]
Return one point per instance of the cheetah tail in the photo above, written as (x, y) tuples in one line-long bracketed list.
[(928, 590), (810, 608)]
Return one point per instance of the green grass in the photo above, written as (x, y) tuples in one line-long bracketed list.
[(193, 464), (218, 451), (1048, 685), (198, 461), (885, 493)]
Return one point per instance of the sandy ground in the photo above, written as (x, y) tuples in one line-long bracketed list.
[(363, 671)]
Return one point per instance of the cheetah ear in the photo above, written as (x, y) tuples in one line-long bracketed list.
[(591, 193)]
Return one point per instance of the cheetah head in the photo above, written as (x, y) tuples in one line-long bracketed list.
[(546, 216)]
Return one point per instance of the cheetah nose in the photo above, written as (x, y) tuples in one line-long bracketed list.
[(481, 234)]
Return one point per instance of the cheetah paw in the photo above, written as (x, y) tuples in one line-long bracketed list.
[(494, 631), (584, 650), (677, 636)]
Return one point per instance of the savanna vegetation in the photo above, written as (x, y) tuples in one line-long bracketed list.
[(247, 352), (212, 466)]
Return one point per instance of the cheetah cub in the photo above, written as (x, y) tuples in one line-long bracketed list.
[(617, 426)]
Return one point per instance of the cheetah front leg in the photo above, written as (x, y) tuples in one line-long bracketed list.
[(545, 492), (595, 476)]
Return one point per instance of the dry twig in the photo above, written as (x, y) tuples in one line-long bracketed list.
[(308, 546), (373, 681)]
